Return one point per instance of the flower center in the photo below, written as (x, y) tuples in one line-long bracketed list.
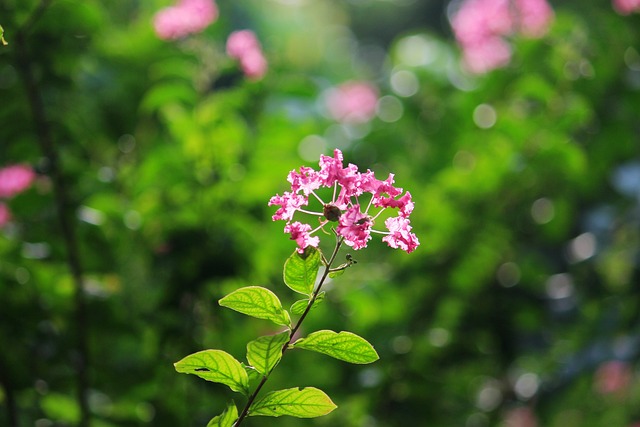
[(331, 212)]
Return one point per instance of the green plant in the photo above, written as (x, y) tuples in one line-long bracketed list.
[(301, 271)]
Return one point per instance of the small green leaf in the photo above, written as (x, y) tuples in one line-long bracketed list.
[(216, 366), (252, 373), (337, 273), (345, 346), (226, 419), (301, 270), (265, 352), (257, 302), (298, 307), (307, 402), (2, 40)]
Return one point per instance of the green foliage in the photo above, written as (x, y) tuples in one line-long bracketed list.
[(301, 270), (216, 366), (257, 302), (308, 402), (343, 345), (265, 352)]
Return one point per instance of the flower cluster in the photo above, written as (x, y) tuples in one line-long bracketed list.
[(13, 180), (244, 46), (481, 26), (186, 17), (352, 223)]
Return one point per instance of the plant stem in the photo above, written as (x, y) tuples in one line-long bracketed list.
[(285, 347), (44, 135)]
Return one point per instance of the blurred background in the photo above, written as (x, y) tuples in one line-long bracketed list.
[(139, 153)]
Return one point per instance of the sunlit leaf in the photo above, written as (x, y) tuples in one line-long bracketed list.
[(257, 302), (2, 40), (301, 270), (307, 402), (344, 345), (299, 307), (216, 366), (226, 419), (265, 352)]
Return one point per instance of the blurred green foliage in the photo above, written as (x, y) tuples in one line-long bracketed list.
[(522, 297)]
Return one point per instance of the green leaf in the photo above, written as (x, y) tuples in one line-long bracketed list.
[(301, 270), (337, 273), (257, 302), (265, 352), (252, 373), (2, 40), (307, 402), (345, 346), (216, 366), (226, 419), (298, 307)]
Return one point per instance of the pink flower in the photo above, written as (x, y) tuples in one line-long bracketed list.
[(300, 233), (15, 179), (354, 225), (352, 102), (400, 234), (289, 203), (625, 7), (5, 214), (482, 26), (244, 46), (613, 376), (186, 17)]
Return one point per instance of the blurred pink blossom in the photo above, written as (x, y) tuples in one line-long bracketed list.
[(489, 54), (5, 215), (534, 17), (520, 417), (481, 26), (15, 179), (352, 102), (625, 7), (244, 46), (612, 376), (184, 18)]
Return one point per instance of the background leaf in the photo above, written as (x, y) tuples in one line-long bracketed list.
[(265, 352), (257, 302), (301, 270), (307, 402), (216, 366), (344, 345)]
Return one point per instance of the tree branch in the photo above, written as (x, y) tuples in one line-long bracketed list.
[(63, 207)]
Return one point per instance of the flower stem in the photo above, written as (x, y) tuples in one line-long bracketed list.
[(285, 347)]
